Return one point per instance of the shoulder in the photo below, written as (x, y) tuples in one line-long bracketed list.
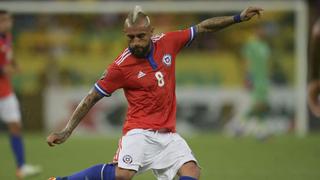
[(157, 37), (188, 33), (122, 58)]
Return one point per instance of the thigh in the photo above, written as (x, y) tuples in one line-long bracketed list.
[(9, 109), (173, 158), (130, 153)]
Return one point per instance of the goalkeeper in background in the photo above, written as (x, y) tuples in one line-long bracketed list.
[(9, 105)]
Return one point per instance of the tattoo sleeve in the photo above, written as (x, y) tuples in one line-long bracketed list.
[(82, 109), (214, 24)]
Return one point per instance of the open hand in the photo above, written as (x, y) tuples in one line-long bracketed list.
[(249, 12)]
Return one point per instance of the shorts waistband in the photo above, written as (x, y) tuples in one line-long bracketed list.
[(162, 130)]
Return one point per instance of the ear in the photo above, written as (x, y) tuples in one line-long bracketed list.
[(124, 30)]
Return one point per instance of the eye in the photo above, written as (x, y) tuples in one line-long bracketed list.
[(141, 36), (130, 37)]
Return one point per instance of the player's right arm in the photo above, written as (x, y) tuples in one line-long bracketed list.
[(82, 109), (111, 80)]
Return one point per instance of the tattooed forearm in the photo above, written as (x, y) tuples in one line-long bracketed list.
[(215, 24), (82, 109)]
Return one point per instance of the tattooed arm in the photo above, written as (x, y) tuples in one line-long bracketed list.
[(82, 109), (218, 23)]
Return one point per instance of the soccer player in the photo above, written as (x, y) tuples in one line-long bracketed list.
[(9, 106), (314, 70), (146, 72), (256, 52)]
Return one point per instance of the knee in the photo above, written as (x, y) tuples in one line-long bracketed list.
[(124, 174), (14, 128), (190, 169)]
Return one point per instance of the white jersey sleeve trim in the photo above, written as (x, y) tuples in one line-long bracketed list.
[(192, 35), (101, 91)]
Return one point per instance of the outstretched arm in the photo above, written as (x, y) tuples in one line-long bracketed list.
[(218, 23), (82, 109)]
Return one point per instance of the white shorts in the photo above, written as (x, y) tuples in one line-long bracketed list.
[(164, 153), (9, 109)]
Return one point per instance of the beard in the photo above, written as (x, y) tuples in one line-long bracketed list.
[(139, 51)]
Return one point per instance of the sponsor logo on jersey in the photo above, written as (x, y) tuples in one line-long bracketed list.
[(167, 59), (141, 74), (127, 159)]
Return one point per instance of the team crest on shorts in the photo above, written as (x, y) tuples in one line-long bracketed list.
[(167, 59), (127, 159)]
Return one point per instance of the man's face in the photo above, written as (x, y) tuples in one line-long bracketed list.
[(5, 23), (139, 38)]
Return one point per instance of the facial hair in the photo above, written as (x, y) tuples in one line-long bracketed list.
[(139, 51)]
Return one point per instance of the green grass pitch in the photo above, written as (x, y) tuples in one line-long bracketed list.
[(221, 158)]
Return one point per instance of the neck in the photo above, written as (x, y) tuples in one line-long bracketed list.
[(3, 34), (150, 48)]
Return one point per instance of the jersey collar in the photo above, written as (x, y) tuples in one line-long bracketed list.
[(150, 58)]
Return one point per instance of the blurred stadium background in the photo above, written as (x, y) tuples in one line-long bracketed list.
[(63, 47)]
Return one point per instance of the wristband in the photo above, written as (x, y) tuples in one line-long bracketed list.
[(237, 18)]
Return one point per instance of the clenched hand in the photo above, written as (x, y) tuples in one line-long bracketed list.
[(58, 137)]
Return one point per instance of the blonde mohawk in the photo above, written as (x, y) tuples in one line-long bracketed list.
[(136, 16)]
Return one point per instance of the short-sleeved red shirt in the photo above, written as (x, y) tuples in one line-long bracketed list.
[(148, 83), (5, 58)]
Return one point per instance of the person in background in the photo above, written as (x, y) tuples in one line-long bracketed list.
[(9, 106), (314, 70)]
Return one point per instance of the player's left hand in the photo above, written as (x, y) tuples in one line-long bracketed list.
[(249, 12), (313, 97)]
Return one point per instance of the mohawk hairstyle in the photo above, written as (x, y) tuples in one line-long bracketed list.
[(136, 17)]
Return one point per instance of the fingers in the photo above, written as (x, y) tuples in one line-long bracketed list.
[(252, 11), (50, 141), (53, 139), (257, 9)]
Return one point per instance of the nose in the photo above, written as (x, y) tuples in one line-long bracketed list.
[(135, 42)]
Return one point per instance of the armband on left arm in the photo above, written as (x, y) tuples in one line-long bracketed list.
[(237, 18)]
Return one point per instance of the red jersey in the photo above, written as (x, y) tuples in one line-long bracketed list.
[(5, 58), (148, 83)]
